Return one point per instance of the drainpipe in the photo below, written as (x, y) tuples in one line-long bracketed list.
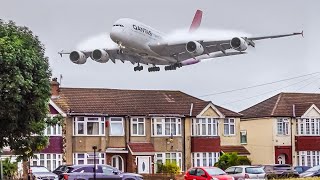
[(291, 133)]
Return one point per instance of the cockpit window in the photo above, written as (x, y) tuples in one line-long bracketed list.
[(120, 25)]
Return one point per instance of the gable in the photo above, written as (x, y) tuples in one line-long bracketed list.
[(210, 111), (313, 111)]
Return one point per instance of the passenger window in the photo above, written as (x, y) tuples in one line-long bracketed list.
[(192, 172), (107, 171), (238, 170), (230, 170), (200, 172)]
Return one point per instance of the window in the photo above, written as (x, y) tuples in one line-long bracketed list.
[(166, 126), (204, 127), (50, 161), (283, 126), (117, 162), (88, 158), (138, 127), (162, 158), (308, 126), (229, 127), (89, 126), (205, 158), (116, 126), (308, 158), (243, 137), (54, 130)]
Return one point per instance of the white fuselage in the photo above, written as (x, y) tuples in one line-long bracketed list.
[(135, 37)]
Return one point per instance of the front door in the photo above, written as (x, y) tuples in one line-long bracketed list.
[(143, 163), (281, 159)]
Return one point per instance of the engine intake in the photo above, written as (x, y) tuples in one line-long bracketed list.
[(78, 57), (100, 56), (194, 48), (239, 44)]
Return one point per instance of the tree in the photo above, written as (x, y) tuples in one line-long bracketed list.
[(24, 91), (232, 159), (9, 168)]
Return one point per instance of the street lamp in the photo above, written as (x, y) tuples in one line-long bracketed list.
[(94, 162)]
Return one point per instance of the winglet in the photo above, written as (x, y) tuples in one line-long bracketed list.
[(196, 21), (302, 33)]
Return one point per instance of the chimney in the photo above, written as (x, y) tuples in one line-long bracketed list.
[(54, 88)]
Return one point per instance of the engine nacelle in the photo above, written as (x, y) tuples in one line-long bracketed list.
[(194, 48), (100, 56), (239, 44), (78, 57)]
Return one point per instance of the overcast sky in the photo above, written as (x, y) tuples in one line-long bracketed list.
[(72, 24)]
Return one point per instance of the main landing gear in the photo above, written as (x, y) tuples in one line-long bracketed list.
[(153, 69), (172, 67), (138, 68)]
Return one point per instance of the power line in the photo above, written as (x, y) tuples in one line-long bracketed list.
[(308, 83), (264, 84), (267, 92)]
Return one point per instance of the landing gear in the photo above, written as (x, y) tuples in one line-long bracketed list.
[(154, 68), (138, 68), (120, 51), (172, 67)]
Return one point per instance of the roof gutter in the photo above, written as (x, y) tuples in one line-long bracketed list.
[(86, 114), (166, 115)]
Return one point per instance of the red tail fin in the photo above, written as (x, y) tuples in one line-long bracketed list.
[(196, 21)]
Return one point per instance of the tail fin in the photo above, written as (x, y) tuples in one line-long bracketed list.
[(196, 21)]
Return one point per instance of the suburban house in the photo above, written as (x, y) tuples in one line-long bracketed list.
[(134, 130), (283, 129)]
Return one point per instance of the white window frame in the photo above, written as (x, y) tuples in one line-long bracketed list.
[(203, 158), (117, 163), (308, 158), (116, 122), (77, 121), (137, 123), (229, 124), (163, 158), (162, 121), (310, 125), (198, 123), (57, 128), (42, 159), (243, 133), (283, 126), (100, 157)]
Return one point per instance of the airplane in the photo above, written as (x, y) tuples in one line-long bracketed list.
[(142, 44)]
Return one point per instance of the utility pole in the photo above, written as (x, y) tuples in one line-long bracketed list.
[(94, 162)]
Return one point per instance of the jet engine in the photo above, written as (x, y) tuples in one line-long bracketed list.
[(194, 48), (100, 56), (78, 57), (239, 44)]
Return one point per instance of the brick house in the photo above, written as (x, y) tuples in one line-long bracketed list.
[(283, 129), (136, 129)]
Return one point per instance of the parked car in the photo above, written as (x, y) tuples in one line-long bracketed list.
[(279, 171), (60, 170), (41, 172), (314, 171), (85, 172), (206, 173), (246, 172), (301, 169)]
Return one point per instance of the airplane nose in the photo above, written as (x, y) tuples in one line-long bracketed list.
[(115, 34)]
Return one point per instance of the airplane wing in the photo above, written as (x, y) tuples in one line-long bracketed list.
[(180, 53)]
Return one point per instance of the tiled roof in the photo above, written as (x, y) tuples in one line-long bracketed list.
[(283, 105), (141, 147), (131, 102), (241, 150)]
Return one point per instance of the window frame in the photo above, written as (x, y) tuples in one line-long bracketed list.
[(313, 124), (177, 123), (101, 125), (285, 126), (119, 159), (100, 157), (243, 133), (164, 158), (137, 123), (214, 126), (45, 159), (229, 124), (308, 158), (195, 156), (118, 122)]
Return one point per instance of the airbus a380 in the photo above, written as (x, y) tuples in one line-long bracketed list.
[(142, 44)]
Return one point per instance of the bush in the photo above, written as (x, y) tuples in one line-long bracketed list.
[(168, 168), (9, 168), (232, 159)]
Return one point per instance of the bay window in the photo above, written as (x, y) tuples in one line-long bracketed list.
[(172, 157), (204, 158), (204, 127), (308, 126), (116, 126), (88, 158), (138, 127), (89, 126), (50, 161), (166, 126), (308, 158), (229, 126)]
